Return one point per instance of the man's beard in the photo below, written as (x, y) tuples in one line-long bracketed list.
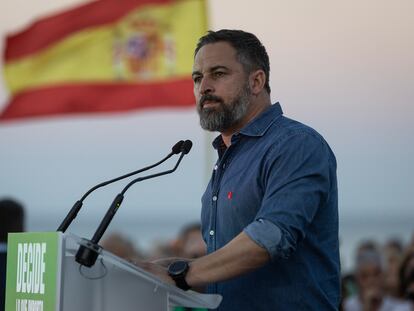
[(223, 116)]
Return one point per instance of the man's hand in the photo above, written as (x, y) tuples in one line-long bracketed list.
[(157, 270)]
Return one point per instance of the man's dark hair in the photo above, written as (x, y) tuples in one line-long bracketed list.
[(11, 218), (250, 51)]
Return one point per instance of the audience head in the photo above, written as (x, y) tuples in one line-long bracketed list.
[(369, 274), (120, 246), (193, 245), (393, 251), (11, 218), (406, 275)]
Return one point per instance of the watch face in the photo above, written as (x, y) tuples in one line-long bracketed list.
[(178, 267)]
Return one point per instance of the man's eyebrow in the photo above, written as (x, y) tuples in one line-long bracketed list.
[(196, 73), (218, 67), (214, 68)]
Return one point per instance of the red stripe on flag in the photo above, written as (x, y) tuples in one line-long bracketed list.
[(51, 29), (92, 98)]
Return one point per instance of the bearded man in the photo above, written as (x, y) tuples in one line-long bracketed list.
[(269, 213)]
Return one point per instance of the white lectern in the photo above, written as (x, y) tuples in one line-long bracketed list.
[(112, 284)]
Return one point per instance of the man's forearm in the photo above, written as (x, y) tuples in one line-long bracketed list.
[(240, 256)]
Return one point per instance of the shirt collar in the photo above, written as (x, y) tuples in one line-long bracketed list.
[(219, 145), (257, 127)]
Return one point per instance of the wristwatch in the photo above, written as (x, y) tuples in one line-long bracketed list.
[(177, 270)]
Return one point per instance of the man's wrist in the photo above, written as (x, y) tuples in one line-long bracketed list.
[(177, 270)]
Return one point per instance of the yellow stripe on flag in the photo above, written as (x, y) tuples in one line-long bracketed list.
[(151, 44)]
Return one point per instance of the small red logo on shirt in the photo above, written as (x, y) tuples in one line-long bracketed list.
[(230, 195)]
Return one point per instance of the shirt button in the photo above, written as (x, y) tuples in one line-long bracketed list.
[(224, 165), (211, 232), (215, 198), (215, 167)]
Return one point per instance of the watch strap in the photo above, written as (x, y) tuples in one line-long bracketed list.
[(179, 276), (181, 282)]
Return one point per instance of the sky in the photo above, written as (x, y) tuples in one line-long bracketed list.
[(346, 68)]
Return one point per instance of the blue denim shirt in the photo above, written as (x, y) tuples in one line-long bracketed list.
[(277, 183)]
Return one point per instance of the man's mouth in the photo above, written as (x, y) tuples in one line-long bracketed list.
[(209, 104)]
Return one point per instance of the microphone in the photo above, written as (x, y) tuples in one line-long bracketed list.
[(87, 254), (176, 149)]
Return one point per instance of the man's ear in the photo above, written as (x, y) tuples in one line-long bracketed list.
[(257, 81)]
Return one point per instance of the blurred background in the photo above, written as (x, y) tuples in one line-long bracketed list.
[(345, 68)]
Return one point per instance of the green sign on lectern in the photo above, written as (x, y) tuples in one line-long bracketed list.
[(33, 271)]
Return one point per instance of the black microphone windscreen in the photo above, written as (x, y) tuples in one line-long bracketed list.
[(176, 149), (187, 146)]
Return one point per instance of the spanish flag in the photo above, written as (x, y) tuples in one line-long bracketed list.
[(104, 56)]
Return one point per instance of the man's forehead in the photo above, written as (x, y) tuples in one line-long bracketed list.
[(214, 55)]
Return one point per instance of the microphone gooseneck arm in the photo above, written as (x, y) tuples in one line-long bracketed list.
[(78, 204), (153, 175), (186, 147), (87, 255)]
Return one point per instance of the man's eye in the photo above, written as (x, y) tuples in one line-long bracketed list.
[(218, 74), (196, 79)]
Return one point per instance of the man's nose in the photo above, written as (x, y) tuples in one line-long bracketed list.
[(206, 87)]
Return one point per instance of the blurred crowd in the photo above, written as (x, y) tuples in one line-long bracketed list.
[(188, 244), (382, 278)]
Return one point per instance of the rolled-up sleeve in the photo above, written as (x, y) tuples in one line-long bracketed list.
[(296, 184)]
